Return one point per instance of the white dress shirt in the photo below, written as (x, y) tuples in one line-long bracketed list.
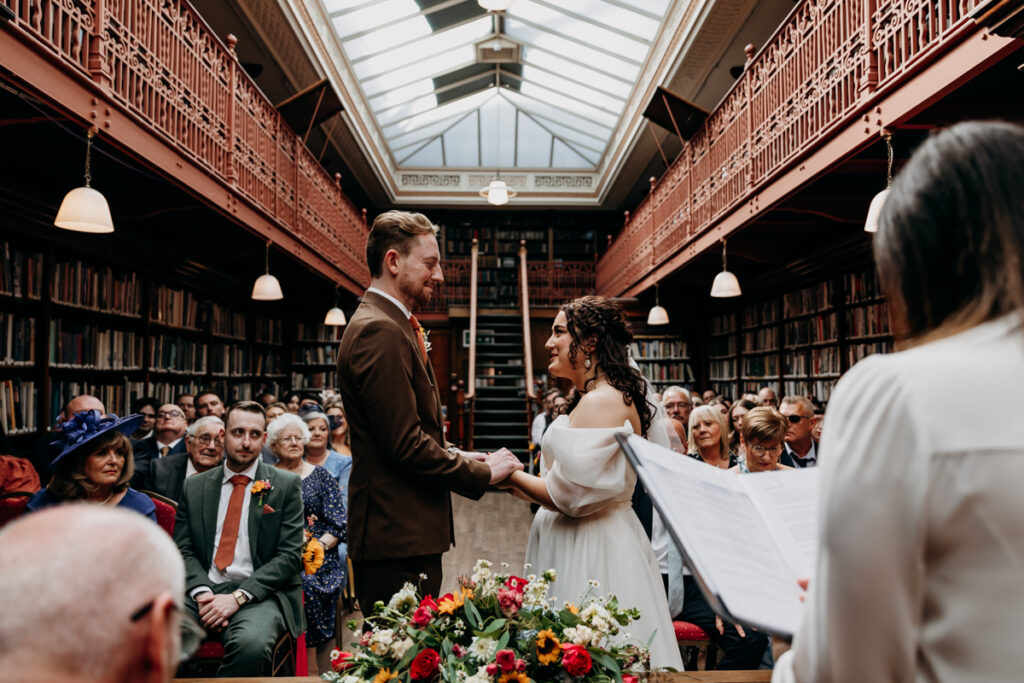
[(405, 311), (190, 469), (170, 446), (809, 460)]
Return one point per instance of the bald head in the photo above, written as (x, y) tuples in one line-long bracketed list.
[(73, 577), (83, 402)]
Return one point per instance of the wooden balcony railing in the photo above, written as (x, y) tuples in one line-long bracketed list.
[(824, 66), (158, 62), (553, 283)]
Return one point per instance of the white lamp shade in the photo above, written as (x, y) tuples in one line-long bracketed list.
[(495, 5), (497, 192), (657, 316), (335, 317), (725, 285), (84, 210), (267, 288), (875, 211)]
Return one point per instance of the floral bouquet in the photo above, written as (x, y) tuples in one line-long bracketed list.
[(498, 628), (312, 548)]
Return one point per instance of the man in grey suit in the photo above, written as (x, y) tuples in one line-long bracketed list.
[(204, 446), (168, 438), (239, 528)]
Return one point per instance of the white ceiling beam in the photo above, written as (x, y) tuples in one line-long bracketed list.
[(584, 18), (574, 39)]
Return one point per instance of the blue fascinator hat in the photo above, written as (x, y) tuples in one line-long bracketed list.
[(85, 426)]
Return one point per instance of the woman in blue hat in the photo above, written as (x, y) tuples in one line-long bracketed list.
[(95, 465)]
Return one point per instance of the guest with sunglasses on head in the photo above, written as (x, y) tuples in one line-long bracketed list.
[(801, 448)]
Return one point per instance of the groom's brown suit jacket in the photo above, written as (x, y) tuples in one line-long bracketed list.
[(399, 502)]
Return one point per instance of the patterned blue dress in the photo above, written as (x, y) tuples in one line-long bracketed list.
[(322, 497)]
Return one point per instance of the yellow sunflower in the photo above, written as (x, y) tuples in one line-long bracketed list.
[(385, 675), (514, 677), (548, 647), (312, 556)]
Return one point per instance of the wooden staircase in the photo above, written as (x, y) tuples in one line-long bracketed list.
[(499, 418)]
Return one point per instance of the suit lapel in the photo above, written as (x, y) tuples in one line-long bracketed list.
[(390, 310), (211, 503), (256, 511)]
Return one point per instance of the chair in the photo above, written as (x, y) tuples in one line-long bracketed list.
[(695, 646), (12, 505), (166, 512), (207, 658)]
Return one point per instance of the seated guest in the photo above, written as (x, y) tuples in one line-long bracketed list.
[(678, 405), (752, 398), (146, 407), (90, 595), (801, 448), (42, 450), (204, 444), (768, 397), (94, 465), (721, 404), (309, 398), (268, 398), (709, 437), (708, 396), (276, 409), (761, 437), (559, 405), (187, 403), (168, 439), (209, 403), (292, 399), (341, 438), (318, 451), (736, 413), (246, 588)]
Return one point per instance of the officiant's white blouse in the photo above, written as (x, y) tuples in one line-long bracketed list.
[(920, 573)]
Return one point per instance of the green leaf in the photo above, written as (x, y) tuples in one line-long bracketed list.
[(605, 660), (503, 641), (568, 618), (495, 626), (472, 615), (404, 662)]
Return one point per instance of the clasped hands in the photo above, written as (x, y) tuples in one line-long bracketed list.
[(502, 462), (215, 610)]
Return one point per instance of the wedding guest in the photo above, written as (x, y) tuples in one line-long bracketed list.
[(801, 448), (187, 403), (94, 465), (42, 450), (918, 570), (325, 521), (147, 406), (341, 439), (761, 438), (736, 414), (209, 403), (168, 438), (709, 437), (559, 405), (768, 397), (204, 444), (678, 405), (721, 404), (318, 451), (708, 396), (291, 401), (268, 398), (752, 398)]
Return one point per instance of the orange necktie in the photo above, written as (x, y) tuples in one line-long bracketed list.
[(419, 337), (229, 533)]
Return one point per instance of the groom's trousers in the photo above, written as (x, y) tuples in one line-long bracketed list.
[(378, 580)]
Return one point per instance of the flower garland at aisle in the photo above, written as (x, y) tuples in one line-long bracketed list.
[(498, 628)]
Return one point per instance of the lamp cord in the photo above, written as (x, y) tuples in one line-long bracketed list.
[(888, 147), (723, 255), (88, 157)]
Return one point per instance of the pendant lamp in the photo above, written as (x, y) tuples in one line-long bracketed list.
[(84, 209), (495, 5), (725, 285), (875, 210), (498, 192), (658, 314), (335, 316), (266, 287)]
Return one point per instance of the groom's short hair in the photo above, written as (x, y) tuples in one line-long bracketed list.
[(394, 230)]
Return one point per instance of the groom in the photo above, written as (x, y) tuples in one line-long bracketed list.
[(400, 512)]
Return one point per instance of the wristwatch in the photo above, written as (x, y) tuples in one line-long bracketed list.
[(240, 598), (454, 450)]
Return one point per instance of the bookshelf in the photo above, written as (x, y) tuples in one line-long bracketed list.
[(314, 356), (824, 329), (663, 359), (21, 296)]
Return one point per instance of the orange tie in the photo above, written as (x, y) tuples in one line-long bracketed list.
[(164, 450), (229, 533), (419, 337)]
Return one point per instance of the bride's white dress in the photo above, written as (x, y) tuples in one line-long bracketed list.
[(595, 533)]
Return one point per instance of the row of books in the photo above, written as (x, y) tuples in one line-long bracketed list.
[(117, 397), (316, 332), (18, 406), (17, 340), (226, 322), (869, 320), (313, 380), (96, 288), (175, 307), (80, 345), (763, 313), (723, 324), (174, 354), (856, 352), (761, 366), (667, 372), (762, 339), (21, 273), (814, 330), (267, 363), (270, 331), (722, 346), (724, 369), (823, 361), (229, 360), (315, 355), (820, 389), (809, 299), (653, 349), (862, 286), (168, 392)]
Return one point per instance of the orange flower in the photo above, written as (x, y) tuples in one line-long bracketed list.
[(450, 602), (548, 647), (467, 593), (312, 556), (514, 677), (385, 675), (572, 608)]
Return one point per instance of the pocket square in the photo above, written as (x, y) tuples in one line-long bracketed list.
[(267, 509)]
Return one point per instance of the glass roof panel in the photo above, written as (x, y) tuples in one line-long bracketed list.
[(551, 97)]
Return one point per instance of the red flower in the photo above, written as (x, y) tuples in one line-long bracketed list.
[(626, 678), (342, 661), (521, 666), (516, 583), (510, 601), (459, 651), (425, 665), (506, 660), (421, 617), (429, 603), (492, 669), (576, 660)]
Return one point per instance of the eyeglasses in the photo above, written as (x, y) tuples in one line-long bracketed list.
[(192, 634), (758, 451), (169, 414), (290, 439), (795, 419), (206, 439)]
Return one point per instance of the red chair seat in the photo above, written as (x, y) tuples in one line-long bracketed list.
[(210, 649), (687, 631)]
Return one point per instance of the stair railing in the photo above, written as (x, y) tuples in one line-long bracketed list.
[(531, 395), (469, 402)]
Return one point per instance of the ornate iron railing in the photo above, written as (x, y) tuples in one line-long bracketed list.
[(826, 64), (159, 62), (553, 283)]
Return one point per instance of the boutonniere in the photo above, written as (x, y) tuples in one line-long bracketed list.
[(260, 487), (425, 333)]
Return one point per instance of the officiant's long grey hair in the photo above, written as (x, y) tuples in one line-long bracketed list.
[(599, 321)]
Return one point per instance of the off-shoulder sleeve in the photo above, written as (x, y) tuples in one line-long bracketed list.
[(865, 599), (589, 471)]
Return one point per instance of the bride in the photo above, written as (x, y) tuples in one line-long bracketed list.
[(587, 529)]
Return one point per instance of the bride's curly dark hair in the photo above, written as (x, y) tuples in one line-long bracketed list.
[(595, 316)]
